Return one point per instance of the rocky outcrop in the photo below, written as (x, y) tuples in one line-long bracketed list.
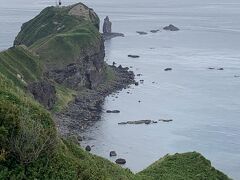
[(107, 30), (87, 72), (44, 92), (171, 28), (107, 26)]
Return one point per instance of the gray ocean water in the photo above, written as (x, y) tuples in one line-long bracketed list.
[(204, 104)]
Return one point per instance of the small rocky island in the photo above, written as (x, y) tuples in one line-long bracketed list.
[(107, 30), (171, 28)]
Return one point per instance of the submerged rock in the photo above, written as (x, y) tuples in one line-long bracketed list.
[(136, 122), (141, 32), (220, 69), (165, 120), (171, 28), (120, 161), (155, 31)]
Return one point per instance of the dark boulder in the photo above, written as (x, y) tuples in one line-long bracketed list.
[(220, 69), (120, 161), (88, 148), (168, 69), (133, 56), (113, 153), (112, 111), (166, 120)]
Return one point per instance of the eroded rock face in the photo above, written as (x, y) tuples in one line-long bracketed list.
[(44, 92), (107, 26), (87, 72)]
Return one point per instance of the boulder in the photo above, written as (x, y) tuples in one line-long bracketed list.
[(120, 161), (171, 28), (88, 148), (113, 153), (168, 69)]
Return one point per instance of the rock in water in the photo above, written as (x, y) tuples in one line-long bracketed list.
[(141, 32), (133, 56), (112, 111), (171, 28), (107, 26), (88, 148), (120, 161), (168, 69), (113, 153)]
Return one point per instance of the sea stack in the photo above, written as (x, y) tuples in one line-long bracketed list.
[(107, 26)]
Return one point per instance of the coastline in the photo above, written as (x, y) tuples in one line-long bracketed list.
[(86, 108)]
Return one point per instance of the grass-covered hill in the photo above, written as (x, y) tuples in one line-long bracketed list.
[(62, 35), (30, 146)]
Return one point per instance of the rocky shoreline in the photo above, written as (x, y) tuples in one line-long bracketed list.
[(86, 108)]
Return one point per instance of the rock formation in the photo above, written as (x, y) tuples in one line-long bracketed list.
[(107, 30), (43, 92), (171, 28), (107, 26)]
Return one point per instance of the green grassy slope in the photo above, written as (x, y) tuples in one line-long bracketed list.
[(20, 65), (60, 38), (187, 166), (30, 147)]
